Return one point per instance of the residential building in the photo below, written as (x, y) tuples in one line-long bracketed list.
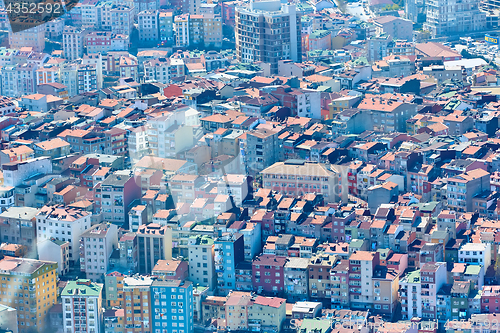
[(18, 226), (268, 274), (73, 39), (29, 275), (154, 242), (116, 194), (448, 17), (65, 224), (475, 254), (285, 27), (55, 250), (96, 246), (137, 303), (148, 25), (418, 291), (463, 187), (172, 306), (229, 251), (82, 306), (304, 177), (201, 261)]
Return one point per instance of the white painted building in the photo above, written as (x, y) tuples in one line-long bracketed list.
[(82, 307), (475, 254), (96, 246), (55, 250), (64, 224)]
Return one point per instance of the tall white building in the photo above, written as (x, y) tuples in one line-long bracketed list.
[(65, 224), (96, 246), (181, 29), (418, 291), (167, 134), (452, 17), (201, 261), (73, 42), (268, 31), (82, 306)]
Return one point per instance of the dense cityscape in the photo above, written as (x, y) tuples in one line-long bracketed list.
[(196, 166)]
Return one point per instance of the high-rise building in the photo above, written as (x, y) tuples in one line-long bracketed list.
[(73, 42), (154, 243), (29, 286), (137, 303), (418, 291), (166, 27), (452, 17), (182, 29), (229, 251), (148, 25), (96, 246), (82, 306), (201, 261), (172, 306), (268, 31), (65, 224)]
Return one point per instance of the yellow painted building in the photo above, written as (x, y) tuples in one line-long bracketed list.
[(29, 286), (137, 304)]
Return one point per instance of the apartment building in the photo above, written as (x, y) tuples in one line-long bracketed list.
[(96, 246), (267, 314), (137, 303), (280, 39), (268, 274), (38, 279), (182, 30), (475, 254), (212, 30), (154, 242), (167, 135), (55, 250), (419, 291), (33, 37), (462, 188), (234, 185), (396, 27), (116, 194), (452, 17), (148, 25), (73, 39), (82, 306), (319, 276), (201, 261), (122, 19), (172, 306), (163, 69), (361, 267), (18, 226), (65, 224), (229, 252), (339, 284), (296, 178), (14, 154), (19, 80), (166, 27)]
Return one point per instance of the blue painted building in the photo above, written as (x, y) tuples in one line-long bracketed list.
[(172, 306), (229, 252)]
